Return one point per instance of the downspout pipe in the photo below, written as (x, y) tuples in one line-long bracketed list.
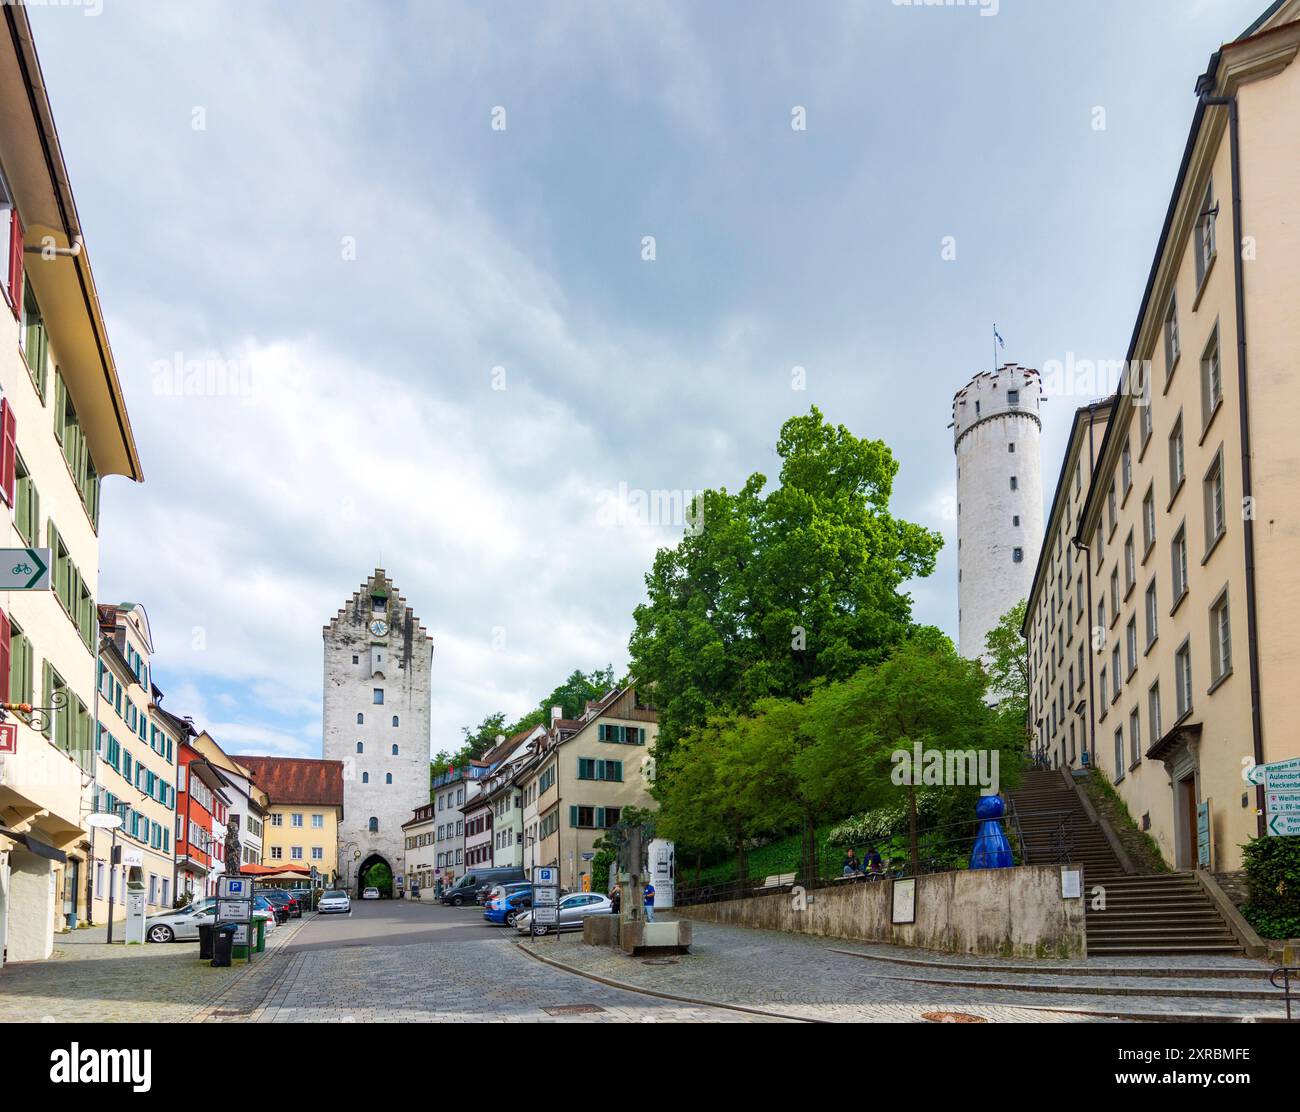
[(1243, 400), (1087, 571)]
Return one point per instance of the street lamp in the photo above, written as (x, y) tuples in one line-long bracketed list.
[(109, 821)]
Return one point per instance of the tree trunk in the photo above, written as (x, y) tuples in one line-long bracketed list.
[(699, 861), (913, 838), (809, 864)]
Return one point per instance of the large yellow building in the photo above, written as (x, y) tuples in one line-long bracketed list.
[(63, 428), (301, 826), (1190, 526)]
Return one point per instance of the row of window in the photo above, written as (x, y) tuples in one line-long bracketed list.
[(296, 852), (388, 777), (135, 825), (297, 819), (361, 748), (361, 718)]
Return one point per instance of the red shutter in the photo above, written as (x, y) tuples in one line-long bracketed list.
[(4, 657), (8, 451), (16, 262)]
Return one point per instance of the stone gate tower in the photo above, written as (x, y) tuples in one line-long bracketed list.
[(996, 432), (378, 660)]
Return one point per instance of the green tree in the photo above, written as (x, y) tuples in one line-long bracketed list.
[(379, 876), (923, 693), (769, 592), (698, 786), (572, 694)]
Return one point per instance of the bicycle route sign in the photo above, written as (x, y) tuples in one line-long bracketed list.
[(25, 569)]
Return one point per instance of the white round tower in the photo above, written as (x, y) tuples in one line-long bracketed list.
[(996, 432)]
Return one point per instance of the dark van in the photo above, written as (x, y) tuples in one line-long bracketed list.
[(474, 886)]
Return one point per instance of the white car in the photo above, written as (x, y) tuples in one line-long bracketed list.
[(370, 894), (334, 901), (572, 910), (182, 925)]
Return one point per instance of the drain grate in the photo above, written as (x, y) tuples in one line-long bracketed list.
[(953, 1017), (573, 1009)]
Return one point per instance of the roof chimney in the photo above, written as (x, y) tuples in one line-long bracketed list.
[(556, 714)]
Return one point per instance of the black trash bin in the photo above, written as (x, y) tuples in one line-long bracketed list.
[(205, 942), (223, 942)]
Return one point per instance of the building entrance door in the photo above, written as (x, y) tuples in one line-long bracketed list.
[(71, 873), (1187, 808)]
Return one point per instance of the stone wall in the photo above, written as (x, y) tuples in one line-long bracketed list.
[(1008, 912)]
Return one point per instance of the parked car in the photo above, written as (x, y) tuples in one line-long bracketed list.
[(468, 888), (182, 924), (572, 910), (499, 890), (503, 909), (370, 894), (283, 899), (335, 901), (273, 913)]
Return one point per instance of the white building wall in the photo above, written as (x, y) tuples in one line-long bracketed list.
[(993, 519)]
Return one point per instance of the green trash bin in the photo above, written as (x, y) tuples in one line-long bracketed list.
[(261, 936)]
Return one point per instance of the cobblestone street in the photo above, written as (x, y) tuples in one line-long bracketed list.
[(405, 962)]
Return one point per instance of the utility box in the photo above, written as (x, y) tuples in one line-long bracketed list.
[(135, 907)]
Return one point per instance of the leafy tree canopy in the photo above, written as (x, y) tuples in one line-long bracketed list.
[(773, 591)]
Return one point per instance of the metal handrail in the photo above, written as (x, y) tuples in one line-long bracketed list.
[(1286, 971)]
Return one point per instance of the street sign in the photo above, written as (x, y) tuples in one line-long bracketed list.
[(547, 875), (8, 737), (1284, 825), (1203, 834), (132, 856), (1282, 776), (546, 915), (234, 911), (545, 896), (1282, 803), (234, 887), (25, 569)]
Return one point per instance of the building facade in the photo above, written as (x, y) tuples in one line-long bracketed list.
[(585, 773), (453, 790), (996, 433), (1058, 624), (136, 748), (63, 428), (202, 810), (249, 804), (1188, 525), (305, 809), (378, 665), (419, 834)]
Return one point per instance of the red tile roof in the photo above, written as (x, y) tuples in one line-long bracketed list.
[(296, 779)]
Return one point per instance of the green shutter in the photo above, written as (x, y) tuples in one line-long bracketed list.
[(600, 818), (573, 816), (615, 769), (47, 686)]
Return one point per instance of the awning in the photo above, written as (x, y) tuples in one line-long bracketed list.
[(1180, 734), (34, 845)]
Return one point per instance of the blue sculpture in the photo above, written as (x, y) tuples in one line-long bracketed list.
[(992, 850)]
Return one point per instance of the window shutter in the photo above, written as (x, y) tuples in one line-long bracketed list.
[(5, 654), (600, 818), (15, 276), (617, 770), (573, 815), (47, 684), (8, 452)]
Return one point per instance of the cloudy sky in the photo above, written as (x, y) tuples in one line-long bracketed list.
[(435, 342)]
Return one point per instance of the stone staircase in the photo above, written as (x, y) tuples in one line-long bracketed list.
[(1162, 913)]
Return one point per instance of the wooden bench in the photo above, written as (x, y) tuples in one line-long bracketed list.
[(780, 880)]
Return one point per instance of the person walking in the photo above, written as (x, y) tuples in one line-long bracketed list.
[(649, 902), (616, 898)]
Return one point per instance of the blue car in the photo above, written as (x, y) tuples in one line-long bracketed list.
[(503, 909)]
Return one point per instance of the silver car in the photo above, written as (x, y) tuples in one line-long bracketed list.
[(182, 925), (572, 910), (335, 901)]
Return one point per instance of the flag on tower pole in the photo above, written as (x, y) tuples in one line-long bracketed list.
[(998, 342)]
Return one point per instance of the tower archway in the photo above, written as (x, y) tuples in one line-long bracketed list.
[(375, 872)]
